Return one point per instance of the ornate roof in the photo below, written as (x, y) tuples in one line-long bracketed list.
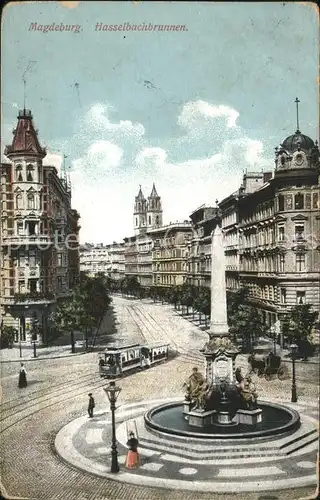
[(25, 140), (293, 142)]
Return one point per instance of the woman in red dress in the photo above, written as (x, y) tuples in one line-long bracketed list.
[(133, 458)]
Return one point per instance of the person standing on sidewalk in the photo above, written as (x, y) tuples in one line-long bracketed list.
[(91, 405), (133, 458), (22, 377)]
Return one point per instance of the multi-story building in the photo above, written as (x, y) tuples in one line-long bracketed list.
[(272, 232), (204, 220), (95, 259), (100, 258), (116, 254), (170, 253), (39, 234)]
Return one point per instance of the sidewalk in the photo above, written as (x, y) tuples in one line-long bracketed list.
[(51, 352)]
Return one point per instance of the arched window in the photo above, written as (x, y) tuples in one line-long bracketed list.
[(19, 201), (19, 177), (29, 173), (299, 201), (31, 204)]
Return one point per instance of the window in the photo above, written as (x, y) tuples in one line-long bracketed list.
[(31, 228), (19, 201), (283, 295), (298, 201), (301, 298), (29, 173), (281, 202), (281, 262), (315, 202), (136, 221), (32, 258), (21, 287), (20, 230), (300, 262), (281, 233), (59, 282), (299, 231), (19, 177), (31, 204), (32, 285), (157, 219), (59, 259)]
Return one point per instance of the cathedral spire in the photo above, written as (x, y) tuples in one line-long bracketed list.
[(140, 196), (154, 193)]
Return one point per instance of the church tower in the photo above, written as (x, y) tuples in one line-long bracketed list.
[(154, 212), (140, 213)]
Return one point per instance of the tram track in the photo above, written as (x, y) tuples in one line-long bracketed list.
[(37, 403), (150, 324)]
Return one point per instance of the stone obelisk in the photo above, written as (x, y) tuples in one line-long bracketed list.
[(220, 353), (219, 321)]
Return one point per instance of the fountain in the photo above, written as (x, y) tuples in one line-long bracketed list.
[(222, 404)]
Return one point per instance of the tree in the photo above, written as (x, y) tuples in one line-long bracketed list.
[(84, 309), (7, 336), (247, 324), (301, 320)]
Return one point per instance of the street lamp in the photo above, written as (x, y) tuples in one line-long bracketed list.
[(113, 392), (294, 349)]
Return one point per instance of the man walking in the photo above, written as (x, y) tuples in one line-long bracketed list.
[(91, 405)]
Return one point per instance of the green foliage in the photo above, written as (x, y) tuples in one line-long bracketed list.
[(7, 336), (84, 309), (300, 320)]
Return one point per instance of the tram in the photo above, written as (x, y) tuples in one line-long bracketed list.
[(119, 360)]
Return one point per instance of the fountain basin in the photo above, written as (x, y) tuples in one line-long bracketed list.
[(169, 419)]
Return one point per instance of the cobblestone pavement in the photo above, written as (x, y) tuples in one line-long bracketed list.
[(57, 393), (187, 465)]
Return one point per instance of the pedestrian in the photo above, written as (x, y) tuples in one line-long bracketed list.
[(91, 405), (22, 377), (133, 458), (101, 366)]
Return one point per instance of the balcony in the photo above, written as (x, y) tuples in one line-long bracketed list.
[(28, 298), (26, 240)]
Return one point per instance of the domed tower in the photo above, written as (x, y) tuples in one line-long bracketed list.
[(154, 212), (140, 213), (297, 158)]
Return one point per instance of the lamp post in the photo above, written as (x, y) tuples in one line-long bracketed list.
[(113, 392), (294, 349)]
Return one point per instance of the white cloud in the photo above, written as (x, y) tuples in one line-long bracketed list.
[(203, 164), (195, 111)]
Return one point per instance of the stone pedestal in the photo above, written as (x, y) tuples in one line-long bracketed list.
[(249, 417), (201, 418), (187, 409), (223, 418)]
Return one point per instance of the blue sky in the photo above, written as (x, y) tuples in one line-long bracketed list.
[(189, 110)]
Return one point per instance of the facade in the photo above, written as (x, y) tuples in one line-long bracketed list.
[(170, 252), (39, 235), (94, 259), (100, 258), (204, 221), (272, 231)]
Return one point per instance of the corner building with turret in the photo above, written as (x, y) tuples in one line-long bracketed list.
[(272, 231), (39, 236)]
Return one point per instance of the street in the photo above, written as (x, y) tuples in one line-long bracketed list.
[(58, 389)]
